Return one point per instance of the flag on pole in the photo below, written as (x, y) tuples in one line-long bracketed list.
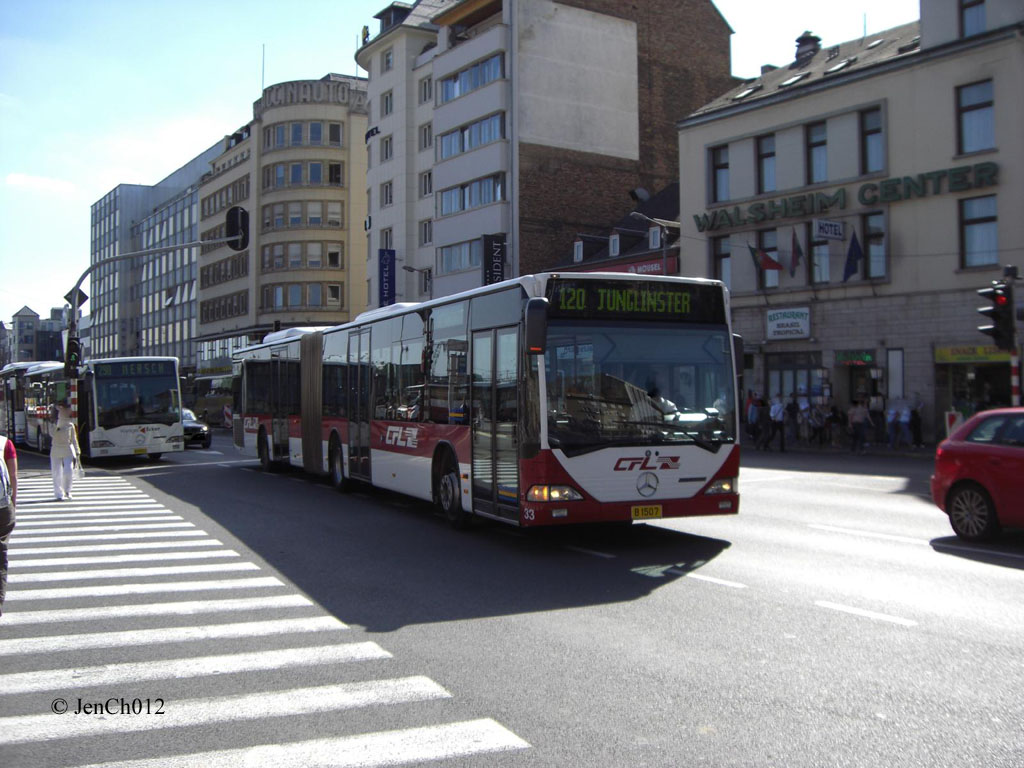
[(762, 260), (797, 255), (853, 257)]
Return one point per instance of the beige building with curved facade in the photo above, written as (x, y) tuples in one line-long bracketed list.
[(298, 168)]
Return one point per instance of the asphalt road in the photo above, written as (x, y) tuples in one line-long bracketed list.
[(834, 622)]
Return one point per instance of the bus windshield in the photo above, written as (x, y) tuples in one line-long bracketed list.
[(635, 383), (137, 400)]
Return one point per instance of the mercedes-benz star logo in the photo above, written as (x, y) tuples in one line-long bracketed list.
[(647, 484)]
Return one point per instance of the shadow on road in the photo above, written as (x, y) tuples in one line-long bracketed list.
[(1007, 550), (384, 561)]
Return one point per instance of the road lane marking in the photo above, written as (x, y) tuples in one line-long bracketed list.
[(222, 709), (129, 573), (108, 528), (83, 678), (135, 610), (871, 534), (65, 643), (90, 524), (709, 579), (866, 614), (369, 750), (104, 536), (136, 545), (147, 557), (68, 593)]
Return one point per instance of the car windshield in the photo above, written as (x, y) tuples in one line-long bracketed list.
[(188, 415), (638, 384)]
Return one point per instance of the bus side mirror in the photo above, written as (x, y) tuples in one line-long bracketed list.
[(737, 356), (536, 326)]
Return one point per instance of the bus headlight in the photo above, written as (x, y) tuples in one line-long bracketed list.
[(553, 493), (102, 444), (175, 439), (722, 485)]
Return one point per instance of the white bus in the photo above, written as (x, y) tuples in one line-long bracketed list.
[(126, 406), (543, 400)]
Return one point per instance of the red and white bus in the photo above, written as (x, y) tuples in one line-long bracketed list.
[(543, 400)]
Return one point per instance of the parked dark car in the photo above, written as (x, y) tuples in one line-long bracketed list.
[(196, 432), (979, 474)]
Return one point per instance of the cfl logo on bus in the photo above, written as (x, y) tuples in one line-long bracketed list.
[(403, 437), (250, 423), (646, 463)]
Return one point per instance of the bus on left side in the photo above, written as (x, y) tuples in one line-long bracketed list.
[(127, 406), (12, 401)]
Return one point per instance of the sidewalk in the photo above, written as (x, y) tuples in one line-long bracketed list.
[(926, 452)]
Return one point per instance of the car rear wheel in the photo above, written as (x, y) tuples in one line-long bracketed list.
[(972, 513)]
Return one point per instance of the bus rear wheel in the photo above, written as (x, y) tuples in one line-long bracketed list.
[(449, 496), (337, 465), (263, 451)]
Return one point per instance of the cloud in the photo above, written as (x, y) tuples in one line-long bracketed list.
[(59, 187)]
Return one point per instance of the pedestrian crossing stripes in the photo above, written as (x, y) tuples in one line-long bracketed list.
[(113, 594)]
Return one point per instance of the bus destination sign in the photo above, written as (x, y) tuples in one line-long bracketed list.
[(131, 369), (635, 300)]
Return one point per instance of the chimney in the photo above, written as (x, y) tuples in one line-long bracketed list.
[(806, 46)]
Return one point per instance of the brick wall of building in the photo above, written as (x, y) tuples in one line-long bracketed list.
[(683, 51)]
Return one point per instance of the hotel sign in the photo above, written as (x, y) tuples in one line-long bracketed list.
[(794, 323), (893, 190)]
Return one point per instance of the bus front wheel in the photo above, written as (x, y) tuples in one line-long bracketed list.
[(449, 497)]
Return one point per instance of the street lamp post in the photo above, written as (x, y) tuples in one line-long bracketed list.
[(428, 277), (664, 224)]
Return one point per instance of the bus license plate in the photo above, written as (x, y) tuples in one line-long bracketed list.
[(139, 451), (647, 512)]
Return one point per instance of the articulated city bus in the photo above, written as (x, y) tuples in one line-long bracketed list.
[(543, 400), (127, 406), (12, 401)]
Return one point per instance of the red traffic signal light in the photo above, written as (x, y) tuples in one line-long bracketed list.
[(1001, 327), (236, 226)]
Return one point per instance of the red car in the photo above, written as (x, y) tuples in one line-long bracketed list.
[(979, 474)]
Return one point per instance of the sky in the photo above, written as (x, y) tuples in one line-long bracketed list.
[(96, 93)]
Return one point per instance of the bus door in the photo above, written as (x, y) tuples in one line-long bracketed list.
[(280, 404), (494, 418), (359, 404)]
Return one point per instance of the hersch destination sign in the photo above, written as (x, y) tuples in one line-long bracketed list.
[(892, 190)]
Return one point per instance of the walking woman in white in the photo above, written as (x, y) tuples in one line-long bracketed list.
[(64, 452)]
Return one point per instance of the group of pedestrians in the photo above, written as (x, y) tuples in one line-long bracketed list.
[(771, 424)]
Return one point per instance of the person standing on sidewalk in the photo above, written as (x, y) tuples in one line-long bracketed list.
[(8, 500), (860, 420), (64, 453), (778, 417)]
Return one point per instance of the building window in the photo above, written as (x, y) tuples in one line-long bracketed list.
[(279, 175), (473, 195), (316, 134), (387, 60), (387, 103), (295, 174), (975, 117), (721, 263), (972, 17), (768, 241), (334, 214), (279, 135), (476, 76), (386, 239), (426, 183), (386, 194), (335, 256), (294, 214), (426, 136), (426, 90), (386, 148), (294, 295), (278, 215), (817, 153), (334, 134), (461, 256), (316, 173), (334, 294), (871, 140), (314, 255), (472, 136), (719, 174), (818, 251), (978, 232), (315, 214), (296, 134), (294, 255), (334, 171), (873, 226), (426, 232), (766, 163), (315, 292)]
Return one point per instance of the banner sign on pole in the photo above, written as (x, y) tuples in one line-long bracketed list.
[(386, 276), (494, 258)]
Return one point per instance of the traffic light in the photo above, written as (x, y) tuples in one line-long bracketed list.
[(72, 357), (236, 226), (1001, 327)]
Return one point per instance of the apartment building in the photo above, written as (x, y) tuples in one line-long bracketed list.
[(145, 305), (298, 168), (499, 129), (855, 199)]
